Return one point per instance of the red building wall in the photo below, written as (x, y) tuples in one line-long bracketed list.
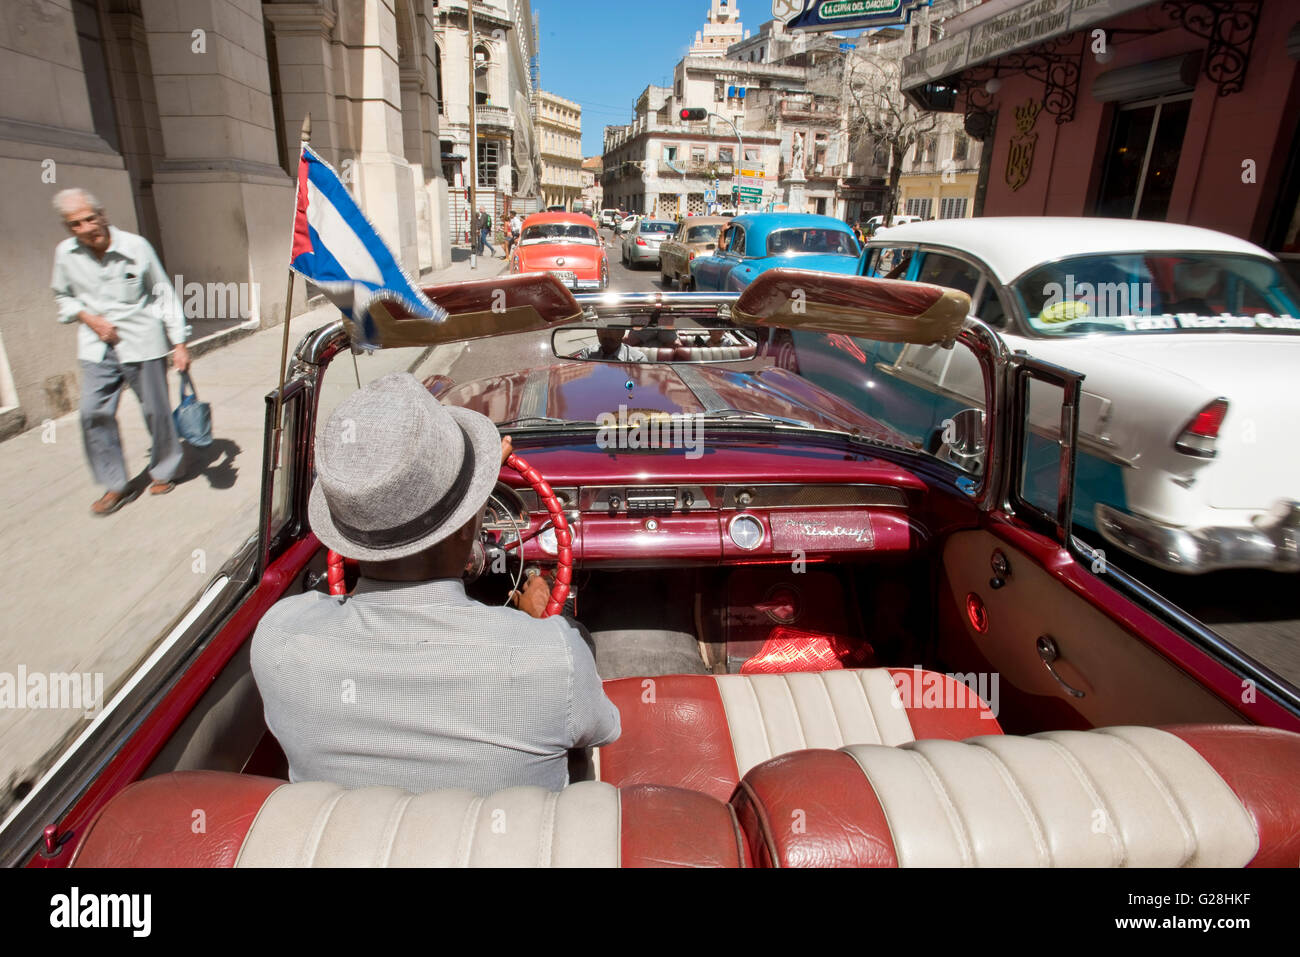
[(1258, 123)]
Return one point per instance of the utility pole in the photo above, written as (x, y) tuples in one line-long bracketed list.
[(473, 142)]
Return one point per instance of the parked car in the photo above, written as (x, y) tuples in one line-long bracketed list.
[(641, 245), (875, 223), (566, 244), (751, 690), (695, 236), (755, 242), (1190, 343), (609, 218)]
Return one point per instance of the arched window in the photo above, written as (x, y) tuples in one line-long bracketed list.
[(482, 67)]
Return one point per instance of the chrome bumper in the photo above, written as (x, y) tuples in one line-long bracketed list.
[(1273, 543)]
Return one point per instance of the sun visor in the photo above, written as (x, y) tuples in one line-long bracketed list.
[(889, 310), (525, 302)]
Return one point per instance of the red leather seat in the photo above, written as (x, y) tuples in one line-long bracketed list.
[(713, 353), (1194, 796), (704, 732), (216, 819)]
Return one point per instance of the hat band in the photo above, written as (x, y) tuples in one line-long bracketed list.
[(421, 525)]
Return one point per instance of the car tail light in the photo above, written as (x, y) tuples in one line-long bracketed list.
[(1199, 436), (640, 241)]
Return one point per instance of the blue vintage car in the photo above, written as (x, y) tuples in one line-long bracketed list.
[(756, 242)]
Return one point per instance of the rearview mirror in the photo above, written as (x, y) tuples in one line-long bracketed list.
[(651, 344)]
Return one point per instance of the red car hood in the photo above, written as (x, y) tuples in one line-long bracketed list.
[(578, 258), (586, 390)]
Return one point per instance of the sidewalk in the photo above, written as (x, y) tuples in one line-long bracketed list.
[(87, 594)]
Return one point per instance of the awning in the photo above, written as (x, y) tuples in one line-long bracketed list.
[(997, 27), (1175, 74)]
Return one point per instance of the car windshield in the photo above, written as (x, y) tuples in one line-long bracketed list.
[(549, 232), (1159, 292), (702, 234), (784, 242), (657, 226)]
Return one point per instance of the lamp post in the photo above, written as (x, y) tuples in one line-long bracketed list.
[(740, 157)]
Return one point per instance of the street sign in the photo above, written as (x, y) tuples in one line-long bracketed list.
[(815, 16), (751, 194), (710, 195)]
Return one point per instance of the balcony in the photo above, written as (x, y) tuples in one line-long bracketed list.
[(803, 111), (492, 117)]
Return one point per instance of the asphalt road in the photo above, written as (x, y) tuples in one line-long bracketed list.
[(1257, 611)]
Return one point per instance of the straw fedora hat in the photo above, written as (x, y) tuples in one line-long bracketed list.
[(397, 471)]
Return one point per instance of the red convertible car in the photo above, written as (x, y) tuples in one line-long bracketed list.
[(568, 245), (828, 646)]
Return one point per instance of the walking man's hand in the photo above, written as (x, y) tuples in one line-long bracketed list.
[(101, 327), (181, 358)]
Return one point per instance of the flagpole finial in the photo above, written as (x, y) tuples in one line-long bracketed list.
[(306, 128)]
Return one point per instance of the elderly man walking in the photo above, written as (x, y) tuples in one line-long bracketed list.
[(111, 282)]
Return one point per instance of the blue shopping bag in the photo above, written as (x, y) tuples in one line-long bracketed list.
[(193, 418)]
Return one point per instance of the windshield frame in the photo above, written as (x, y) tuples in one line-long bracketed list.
[(587, 240)]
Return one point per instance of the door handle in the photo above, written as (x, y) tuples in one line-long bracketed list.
[(1048, 651)]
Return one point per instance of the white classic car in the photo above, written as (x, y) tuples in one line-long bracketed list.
[(1190, 343)]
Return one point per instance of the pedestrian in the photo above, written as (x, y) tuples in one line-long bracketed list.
[(516, 230), (485, 237), (111, 282)]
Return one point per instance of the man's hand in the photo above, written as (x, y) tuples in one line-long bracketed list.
[(181, 358), (101, 327), (536, 593), (507, 447)]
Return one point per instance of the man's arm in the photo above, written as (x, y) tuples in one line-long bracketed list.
[(72, 309), (593, 718), (166, 306)]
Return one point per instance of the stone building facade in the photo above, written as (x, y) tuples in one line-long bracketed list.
[(558, 124)]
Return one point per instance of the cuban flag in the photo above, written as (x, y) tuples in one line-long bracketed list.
[(337, 248)]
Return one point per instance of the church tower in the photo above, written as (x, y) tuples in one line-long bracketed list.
[(721, 30)]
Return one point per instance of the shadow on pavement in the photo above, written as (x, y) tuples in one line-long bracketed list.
[(216, 463)]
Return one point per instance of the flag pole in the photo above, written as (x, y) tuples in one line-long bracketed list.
[(284, 345)]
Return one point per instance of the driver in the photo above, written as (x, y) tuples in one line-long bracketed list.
[(612, 348), (408, 682)]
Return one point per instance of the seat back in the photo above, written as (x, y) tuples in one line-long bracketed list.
[(251, 821), (704, 732), (1127, 796)]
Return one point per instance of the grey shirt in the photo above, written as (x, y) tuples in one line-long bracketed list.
[(128, 287), (417, 686)]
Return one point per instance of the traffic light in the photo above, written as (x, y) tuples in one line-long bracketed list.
[(692, 114)]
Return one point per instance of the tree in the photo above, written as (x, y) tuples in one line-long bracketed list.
[(880, 116)]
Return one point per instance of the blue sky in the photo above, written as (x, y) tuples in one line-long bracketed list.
[(603, 53)]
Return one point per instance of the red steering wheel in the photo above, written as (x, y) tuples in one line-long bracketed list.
[(563, 541)]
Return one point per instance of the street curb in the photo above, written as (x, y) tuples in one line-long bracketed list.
[(217, 340)]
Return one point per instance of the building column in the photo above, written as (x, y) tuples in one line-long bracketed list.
[(225, 206), (302, 33), (383, 183)]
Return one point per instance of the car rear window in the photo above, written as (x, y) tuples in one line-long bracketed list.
[(702, 234), (569, 231), (825, 241), (657, 226)]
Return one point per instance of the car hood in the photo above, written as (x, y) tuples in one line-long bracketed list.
[(585, 391)]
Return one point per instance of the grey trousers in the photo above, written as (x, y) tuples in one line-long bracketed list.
[(101, 386)]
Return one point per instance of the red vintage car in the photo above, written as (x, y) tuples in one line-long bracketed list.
[(828, 645), (567, 245)]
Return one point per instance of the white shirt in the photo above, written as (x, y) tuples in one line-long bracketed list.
[(128, 287), (417, 686)]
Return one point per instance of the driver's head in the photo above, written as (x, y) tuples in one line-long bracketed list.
[(401, 480), (610, 340)]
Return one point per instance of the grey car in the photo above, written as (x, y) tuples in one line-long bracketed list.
[(641, 244)]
